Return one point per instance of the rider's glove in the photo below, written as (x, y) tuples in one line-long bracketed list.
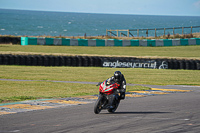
[(98, 84)]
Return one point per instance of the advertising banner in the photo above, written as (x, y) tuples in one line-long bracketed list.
[(153, 64)]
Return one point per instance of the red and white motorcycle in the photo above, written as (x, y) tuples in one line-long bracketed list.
[(107, 89)]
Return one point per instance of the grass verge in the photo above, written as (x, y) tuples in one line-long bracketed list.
[(11, 91), (167, 52), (99, 74)]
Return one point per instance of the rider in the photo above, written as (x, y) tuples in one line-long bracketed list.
[(119, 79)]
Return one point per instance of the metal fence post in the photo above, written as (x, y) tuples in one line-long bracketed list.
[(182, 30), (164, 31), (147, 32), (127, 33)]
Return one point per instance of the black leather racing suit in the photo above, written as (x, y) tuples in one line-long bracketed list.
[(121, 89)]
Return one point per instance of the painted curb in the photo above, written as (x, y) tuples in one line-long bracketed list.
[(41, 104)]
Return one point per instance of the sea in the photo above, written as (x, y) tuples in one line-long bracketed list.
[(49, 23)]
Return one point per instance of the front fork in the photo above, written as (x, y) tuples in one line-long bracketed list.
[(112, 98)]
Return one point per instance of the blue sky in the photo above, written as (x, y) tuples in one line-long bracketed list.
[(144, 7)]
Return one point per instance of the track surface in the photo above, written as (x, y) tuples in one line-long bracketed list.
[(176, 112)]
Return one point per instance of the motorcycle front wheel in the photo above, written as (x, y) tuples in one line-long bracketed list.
[(112, 110), (98, 105)]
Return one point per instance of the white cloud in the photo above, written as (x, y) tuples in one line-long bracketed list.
[(197, 4)]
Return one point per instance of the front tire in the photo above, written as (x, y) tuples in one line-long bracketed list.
[(112, 110), (98, 105)]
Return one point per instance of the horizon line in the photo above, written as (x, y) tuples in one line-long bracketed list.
[(97, 13)]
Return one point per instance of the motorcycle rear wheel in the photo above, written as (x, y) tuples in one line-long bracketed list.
[(98, 105)]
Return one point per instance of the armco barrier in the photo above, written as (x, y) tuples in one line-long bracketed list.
[(109, 42), (95, 61)]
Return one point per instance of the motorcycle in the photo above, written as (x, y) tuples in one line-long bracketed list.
[(107, 90)]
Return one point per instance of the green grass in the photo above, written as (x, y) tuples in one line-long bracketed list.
[(29, 90), (175, 51), (98, 74), (17, 90)]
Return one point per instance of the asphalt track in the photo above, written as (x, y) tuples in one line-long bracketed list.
[(169, 113)]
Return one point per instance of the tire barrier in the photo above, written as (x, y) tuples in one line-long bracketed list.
[(8, 40), (198, 65), (96, 61)]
